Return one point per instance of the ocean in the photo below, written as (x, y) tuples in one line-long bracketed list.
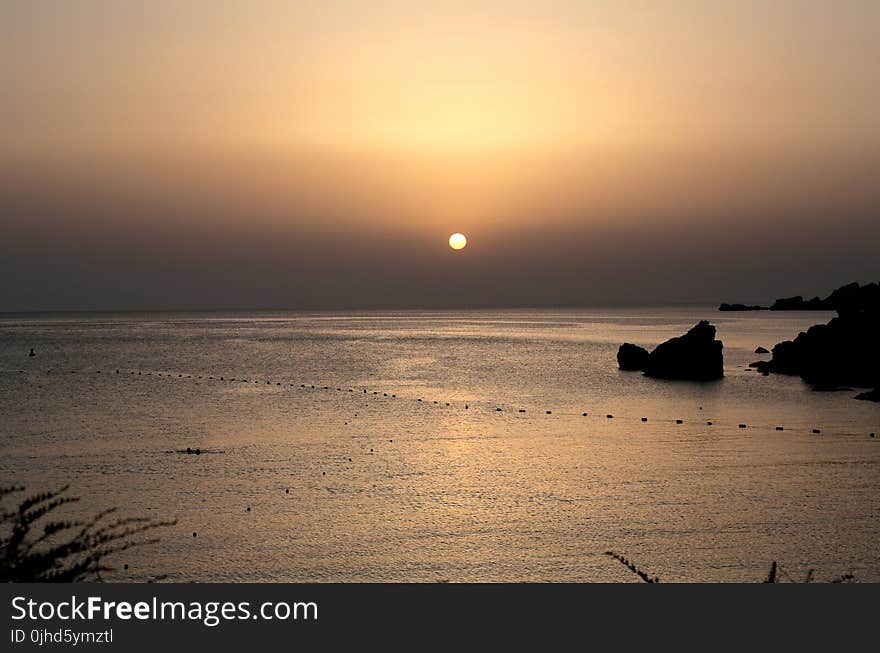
[(391, 446)]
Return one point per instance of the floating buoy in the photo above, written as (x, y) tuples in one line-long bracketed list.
[(498, 409), (817, 431), (679, 421), (287, 490), (644, 419), (870, 435), (609, 416), (32, 353), (392, 396), (583, 414), (465, 406), (549, 412), (125, 566), (779, 428), (194, 533), (418, 400), (349, 460), (742, 426), (708, 423), (371, 451), (248, 508)]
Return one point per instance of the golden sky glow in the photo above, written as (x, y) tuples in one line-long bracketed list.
[(332, 119)]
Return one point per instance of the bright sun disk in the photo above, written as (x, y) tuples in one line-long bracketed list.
[(457, 241)]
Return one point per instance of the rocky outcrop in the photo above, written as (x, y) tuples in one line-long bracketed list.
[(871, 395), (741, 307), (695, 356), (843, 352), (632, 357), (761, 350), (798, 303)]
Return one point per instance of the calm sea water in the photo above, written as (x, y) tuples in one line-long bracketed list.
[(353, 486)]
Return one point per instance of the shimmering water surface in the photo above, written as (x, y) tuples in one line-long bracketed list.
[(347, 485)]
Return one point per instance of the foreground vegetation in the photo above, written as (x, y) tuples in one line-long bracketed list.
[(36, 547)]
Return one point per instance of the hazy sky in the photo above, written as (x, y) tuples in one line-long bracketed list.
[(277, 154)]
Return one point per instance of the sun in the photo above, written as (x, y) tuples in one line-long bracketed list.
[(457, 241)]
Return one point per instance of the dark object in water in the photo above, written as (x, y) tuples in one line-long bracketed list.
[(742, 426), (632, 357), (762, 350), (32, 353), (679, 421), (817, 431), (287, 490), (845, 351), (498, 409), (741, 307), (549, 412), (870, 395), (708, 423), (779, 428), (194, 533), (248, 509), (694, 356), (583, 414), (522, 410), (870, 435), (798, 303), (609, 416), (644, 419)]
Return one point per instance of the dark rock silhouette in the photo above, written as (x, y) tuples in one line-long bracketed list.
[(761, 350), (632, 357), (871, 395), (695, 356), (741, 307), (798, 303), (843, 352)]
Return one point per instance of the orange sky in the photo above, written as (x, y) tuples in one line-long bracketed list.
[(309, 119)]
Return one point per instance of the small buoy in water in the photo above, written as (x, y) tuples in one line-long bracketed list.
[(125, 566), (644, 419), (498, 409), (609, 417), (194, 533), (32, 353), (708, 423), (323, 473), (384, 394), (248, 508), (816, 431), (418, 399), (435, 401), (870, 435), (365, 391), (465, 406), (287, 490), (117, 371), (349, 460), (742, 426), (390, 440), (780, 428), (522, 410), (583, 414), (679, 421), (394, 396), (549, 412), (371, 451)]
